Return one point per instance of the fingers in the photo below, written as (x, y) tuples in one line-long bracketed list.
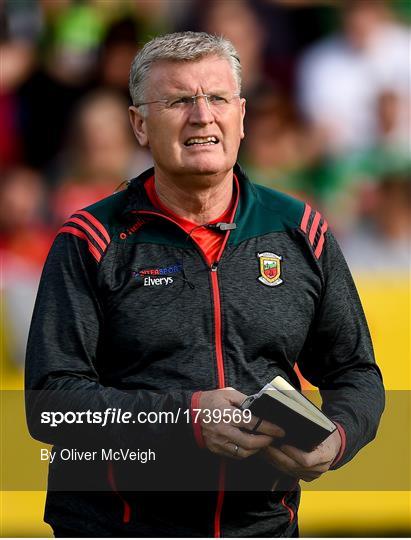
[(222, 446), (229, 399), (281, 461), (306, 459), (265, 428), (230, 434), (246, 440), (234, 396), (229, 450), (310, 476), (226, 428), (256, 425), (229, 441), (235, 451), (307, 467)]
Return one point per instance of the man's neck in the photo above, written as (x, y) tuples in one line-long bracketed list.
[(197, 201)]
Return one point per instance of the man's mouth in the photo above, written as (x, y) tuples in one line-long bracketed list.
[(203, 141)]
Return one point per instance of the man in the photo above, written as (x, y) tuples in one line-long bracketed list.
[(160, 299)]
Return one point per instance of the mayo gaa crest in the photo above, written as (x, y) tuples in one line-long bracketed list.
[(270, 268)]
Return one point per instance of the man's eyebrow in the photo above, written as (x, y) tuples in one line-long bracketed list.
[(218, 92), (176, 86)]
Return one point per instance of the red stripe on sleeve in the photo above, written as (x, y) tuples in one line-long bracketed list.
[(320, 245), (80, 234), (304, 221), (314, 227), (341, 431), (91, 232), (96, 223)]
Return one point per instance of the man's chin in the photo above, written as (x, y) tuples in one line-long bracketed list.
[(206, 168)]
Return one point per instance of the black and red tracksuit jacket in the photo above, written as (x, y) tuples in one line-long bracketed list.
[(103, 335)]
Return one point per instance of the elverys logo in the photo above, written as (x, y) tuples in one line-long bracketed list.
[(157, 276)]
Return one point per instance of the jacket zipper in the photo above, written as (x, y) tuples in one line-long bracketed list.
[(113, 485), (288, 507), (218, 334), (218, 342), (217, 326)]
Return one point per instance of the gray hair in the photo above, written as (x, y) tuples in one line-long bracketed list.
[(179, 47)]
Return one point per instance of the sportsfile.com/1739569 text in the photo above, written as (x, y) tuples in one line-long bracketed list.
[(118, 416)]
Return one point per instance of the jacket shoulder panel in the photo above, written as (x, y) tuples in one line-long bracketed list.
[(96, 224), (266, 210), (287, 209), (108, 210), (262, 211), (296, 214)]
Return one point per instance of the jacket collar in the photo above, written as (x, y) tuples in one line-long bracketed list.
[(136, 195)]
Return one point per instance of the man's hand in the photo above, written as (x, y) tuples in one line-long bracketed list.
[(305, 465), (229, 439)]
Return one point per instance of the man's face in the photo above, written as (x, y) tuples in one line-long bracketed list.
[(169, 132)]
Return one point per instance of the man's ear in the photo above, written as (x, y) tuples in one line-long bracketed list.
[(138, 123), (242, 103)]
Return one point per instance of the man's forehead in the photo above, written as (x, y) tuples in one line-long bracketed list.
[(212, 72)]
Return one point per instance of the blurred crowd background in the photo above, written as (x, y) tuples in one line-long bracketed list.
[(328, 118)]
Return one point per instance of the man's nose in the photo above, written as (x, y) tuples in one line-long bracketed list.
[(200, 112)]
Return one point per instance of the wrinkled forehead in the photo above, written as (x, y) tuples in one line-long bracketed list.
[(207, 74)]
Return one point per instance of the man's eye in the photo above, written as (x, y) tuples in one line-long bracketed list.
[(181, 101), (217, 100)]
